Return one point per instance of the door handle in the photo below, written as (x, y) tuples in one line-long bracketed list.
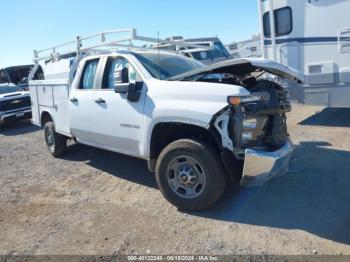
[(73, 100), (100, 101)]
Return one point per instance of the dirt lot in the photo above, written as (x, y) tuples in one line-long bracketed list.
[(97, 202)]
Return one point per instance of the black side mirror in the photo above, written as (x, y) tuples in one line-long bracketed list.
[(121, 76), (121, 88), (135, 91), (121, 81)]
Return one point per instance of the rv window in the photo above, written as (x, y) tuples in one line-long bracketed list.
[(266, 24), (233, 47), (283, 21)]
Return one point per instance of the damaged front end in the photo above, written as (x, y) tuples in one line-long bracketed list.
[(253, 129)]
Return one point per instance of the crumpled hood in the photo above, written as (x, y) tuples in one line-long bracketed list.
[(243, 67), (201, 91), (196, 102)]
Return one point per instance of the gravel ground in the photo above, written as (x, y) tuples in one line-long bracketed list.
[(96, 202)]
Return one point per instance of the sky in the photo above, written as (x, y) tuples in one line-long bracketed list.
[(37, 24)]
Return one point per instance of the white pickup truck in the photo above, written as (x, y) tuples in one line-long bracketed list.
[(195, 125)]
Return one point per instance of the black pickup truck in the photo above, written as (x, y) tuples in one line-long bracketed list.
[(18, 75), (14, 103)]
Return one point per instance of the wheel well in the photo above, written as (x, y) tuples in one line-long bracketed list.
[(45, 117), (166, 133)]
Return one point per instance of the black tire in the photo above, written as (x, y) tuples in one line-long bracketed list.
[(210, 167), (58, 144)]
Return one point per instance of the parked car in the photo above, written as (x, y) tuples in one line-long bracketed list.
[(18, 75), (14, 103)]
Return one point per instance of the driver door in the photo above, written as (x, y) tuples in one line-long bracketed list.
[(118, 122)]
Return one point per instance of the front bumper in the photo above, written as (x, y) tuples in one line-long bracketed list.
[(16, 115), (260, 166)]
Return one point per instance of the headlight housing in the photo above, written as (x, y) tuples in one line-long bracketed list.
[(252, 98), (253, 128)]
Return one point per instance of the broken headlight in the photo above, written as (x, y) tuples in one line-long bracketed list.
[(253, 129)]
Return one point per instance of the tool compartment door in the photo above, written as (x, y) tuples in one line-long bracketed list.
[(45, 95)]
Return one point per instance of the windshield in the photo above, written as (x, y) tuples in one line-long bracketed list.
[(219, 51), (164, 66), (9, 89)]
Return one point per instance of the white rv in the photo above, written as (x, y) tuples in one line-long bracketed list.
[(313, 38), (246, 48)]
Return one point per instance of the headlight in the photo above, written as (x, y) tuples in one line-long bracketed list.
[(254, 97), (253, 129)]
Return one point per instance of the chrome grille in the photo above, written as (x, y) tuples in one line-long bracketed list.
[(15, 103)]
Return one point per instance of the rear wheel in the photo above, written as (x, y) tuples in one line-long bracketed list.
[(190, 175), (55, 142)]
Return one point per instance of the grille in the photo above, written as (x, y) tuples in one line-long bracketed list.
[(315, 69), (13, 104)]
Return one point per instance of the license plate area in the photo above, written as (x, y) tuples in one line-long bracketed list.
[(19, 114)]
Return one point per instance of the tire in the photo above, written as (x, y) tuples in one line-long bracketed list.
[(56, 143), (176, 166)]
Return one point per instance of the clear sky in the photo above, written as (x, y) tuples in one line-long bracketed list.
[(36, 24)]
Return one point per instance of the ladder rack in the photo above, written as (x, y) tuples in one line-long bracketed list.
[(344, 40), (100, 43)]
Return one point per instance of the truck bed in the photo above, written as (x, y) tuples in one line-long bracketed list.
[(51, 96)]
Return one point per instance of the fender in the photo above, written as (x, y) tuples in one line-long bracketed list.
[(41, 116), (180, 120)]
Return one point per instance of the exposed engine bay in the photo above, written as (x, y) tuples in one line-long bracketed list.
[(253, 124)]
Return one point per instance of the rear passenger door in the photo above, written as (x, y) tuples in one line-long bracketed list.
[(82, 104)]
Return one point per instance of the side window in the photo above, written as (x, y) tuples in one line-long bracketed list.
[(266, 24), (88, 76), (283, 21), (112, 72), (3, 77)]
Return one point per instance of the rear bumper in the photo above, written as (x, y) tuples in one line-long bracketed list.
[(16, 115), (260, 166)]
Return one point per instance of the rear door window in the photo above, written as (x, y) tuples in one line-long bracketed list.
[(89, 73)]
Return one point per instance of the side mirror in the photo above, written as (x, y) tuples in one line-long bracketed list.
[(121, 88), (121, 81), (121, 76)]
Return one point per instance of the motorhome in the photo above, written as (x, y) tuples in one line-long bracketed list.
[(313, 38), (246, 48)]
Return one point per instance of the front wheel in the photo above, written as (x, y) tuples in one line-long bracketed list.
[(55, 142), (190, 175)]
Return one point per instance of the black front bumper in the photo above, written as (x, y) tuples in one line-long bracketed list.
[(6, 117)]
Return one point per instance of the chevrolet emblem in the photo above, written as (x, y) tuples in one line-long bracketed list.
[(16, 101)]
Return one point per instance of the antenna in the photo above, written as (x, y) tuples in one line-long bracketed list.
[(158, 56)]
